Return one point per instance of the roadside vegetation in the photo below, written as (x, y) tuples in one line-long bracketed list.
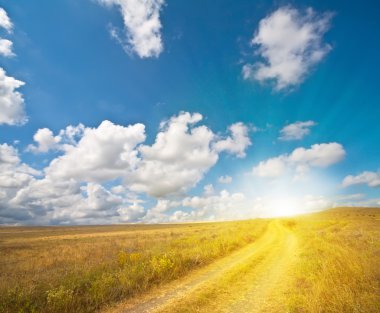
[(338, 269), (333, 268), (82, 269), (323, 262)]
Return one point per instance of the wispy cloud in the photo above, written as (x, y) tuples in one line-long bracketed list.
[(296, 131), (225, 179), (371, 179)]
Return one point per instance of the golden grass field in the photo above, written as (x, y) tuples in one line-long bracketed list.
[(322, 262)]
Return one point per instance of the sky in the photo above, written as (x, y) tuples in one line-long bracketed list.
[(156, 111)]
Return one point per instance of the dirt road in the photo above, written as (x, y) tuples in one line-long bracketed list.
[(247, 280)]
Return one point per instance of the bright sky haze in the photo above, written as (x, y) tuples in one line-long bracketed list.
[(117, 111)]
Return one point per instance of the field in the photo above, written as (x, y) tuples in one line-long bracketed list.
[(323, 262)]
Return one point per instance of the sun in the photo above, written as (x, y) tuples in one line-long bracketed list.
[(283, 206)]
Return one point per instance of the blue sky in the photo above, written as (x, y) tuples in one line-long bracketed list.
[(257, 65)]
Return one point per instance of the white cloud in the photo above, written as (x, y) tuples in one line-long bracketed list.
[(177, 160), (290, 42), (227, 206), (319, 155), (296, 131), (70, 190), (70, 135), (371, 179), (14, 175), (5, 21), (225, 179), (181, 154), (46, 141), (142, 26), (273, 167), (132, 212), (301, 160), (208, 189), (221, 206), (48, 200), (6, 48), (224, 199), (28, 196), (11, 101), (163, 205), (46, 194), (237, 143), (103, 153), (8, 155), (100, 199)]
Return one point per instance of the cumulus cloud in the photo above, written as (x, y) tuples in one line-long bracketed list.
[(225, 179), (225, 206), (208, 189), (290, 42), (142, 26), (6, 48), (5, 21), (371, 179), (11, 100), (319, 155), (5, 44), (177, 160), (164, 205), (296, 131), (216, 206), (132, 213), (46, 141), (29, 196), (51, 201), (13, 172), (272, 167), (301, 160), (71, 189), (181, 154), (14, 175), (103, 153), (237, 143)]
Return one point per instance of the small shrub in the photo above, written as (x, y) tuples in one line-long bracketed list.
[(135, 257), (122, 258), (162, 264)]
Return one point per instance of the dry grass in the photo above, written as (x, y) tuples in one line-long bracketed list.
[(338, 269), (81, 269), (335, 268)]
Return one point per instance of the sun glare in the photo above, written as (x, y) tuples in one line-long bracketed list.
[(283, 206)]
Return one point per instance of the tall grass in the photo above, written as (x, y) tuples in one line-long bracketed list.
[(336, 267), (81, 269), (339, 263)]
